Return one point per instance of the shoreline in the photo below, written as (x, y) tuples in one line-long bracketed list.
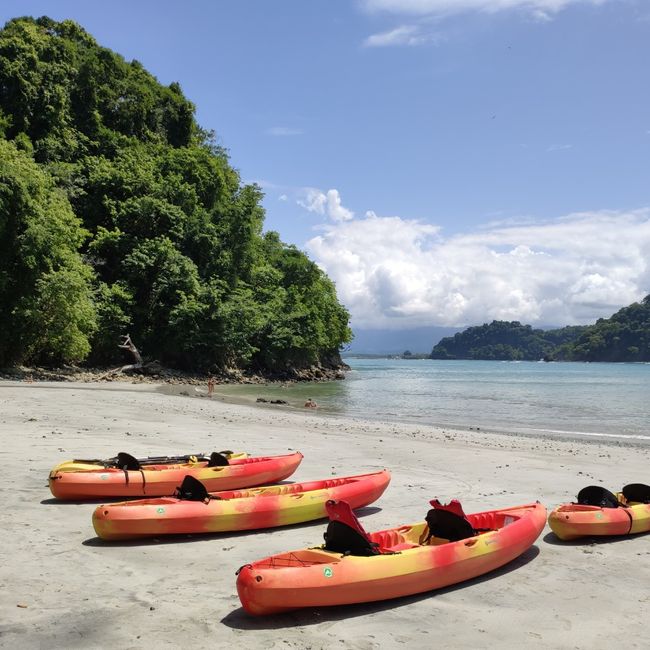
[(629, 440), (192, 391), (154, 373), (162, 592)]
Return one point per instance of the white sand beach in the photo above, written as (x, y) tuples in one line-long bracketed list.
[(64, 588)]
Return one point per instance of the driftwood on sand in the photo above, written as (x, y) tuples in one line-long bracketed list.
[(138, 366)]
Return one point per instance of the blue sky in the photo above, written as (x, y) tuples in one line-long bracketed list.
[(447, 162)]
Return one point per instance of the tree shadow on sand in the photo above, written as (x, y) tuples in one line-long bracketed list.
[(588, 540), (85, 502), (201, 537), (240, 620)]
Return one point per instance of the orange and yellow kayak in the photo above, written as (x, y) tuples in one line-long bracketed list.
[(162, 480), (248, 509), (201, 460), (624, 513), (404, 560)]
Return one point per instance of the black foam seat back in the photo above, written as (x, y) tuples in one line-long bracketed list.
[(637, 492), (191, 489), (341, 538), (126, 461), (217, 460), (447, 525), (596, 495)]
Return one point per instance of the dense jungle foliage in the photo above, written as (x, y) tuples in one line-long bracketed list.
[(623, 337), (118, 214), (511, 341)]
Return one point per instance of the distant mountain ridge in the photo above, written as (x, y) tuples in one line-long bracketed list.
[(623, 337), (390, 342)]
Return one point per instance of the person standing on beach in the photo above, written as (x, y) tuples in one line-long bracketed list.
[(210, 386), (310, 404)]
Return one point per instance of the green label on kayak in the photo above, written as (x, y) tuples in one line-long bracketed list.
[(160, 511), (599, 515), (327, 572), (104, 477)]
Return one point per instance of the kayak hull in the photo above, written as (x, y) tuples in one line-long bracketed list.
[(316, 577), (572, 520), (162, 480), (263, 507)]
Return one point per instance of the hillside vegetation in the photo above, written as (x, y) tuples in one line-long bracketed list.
[(119, 213), (623, 337)]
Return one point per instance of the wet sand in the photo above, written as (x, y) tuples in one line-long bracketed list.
[(64, 588)]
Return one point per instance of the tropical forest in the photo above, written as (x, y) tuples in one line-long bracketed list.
[(625, 336), (120, 215)]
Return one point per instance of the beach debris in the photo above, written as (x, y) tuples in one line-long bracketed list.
[(22, 605), (152, 368)]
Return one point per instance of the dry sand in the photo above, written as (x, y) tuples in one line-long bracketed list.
[(64, 588)]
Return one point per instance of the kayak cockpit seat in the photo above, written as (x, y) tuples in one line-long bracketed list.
[(344, 532), (448, 521), (391, 540), (217, 460), (127, 462), (292, 488), (335, 482), (191, 489), (596, 495), (484, 521), (637, 492), (276, 490)]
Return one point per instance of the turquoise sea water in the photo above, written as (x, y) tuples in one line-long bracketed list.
[(602, 400)]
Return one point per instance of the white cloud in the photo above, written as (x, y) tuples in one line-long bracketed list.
[(541, 15), (328, 204), (394, 272), (559, 147), (410, 35), (541, 9), (283, 131)]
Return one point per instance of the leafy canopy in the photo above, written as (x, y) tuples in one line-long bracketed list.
[(119, 213), (623, 337)]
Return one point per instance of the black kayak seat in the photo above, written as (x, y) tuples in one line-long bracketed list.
[(127, 462), (448, 525), (596, 495), (345, 534), (637, 492), (217, 460), (191, 489)]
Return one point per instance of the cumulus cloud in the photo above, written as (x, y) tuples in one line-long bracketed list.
[(394, 272), (541, 9), (325, 203), (410, 35)]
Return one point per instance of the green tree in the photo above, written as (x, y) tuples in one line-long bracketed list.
[(47, 310), (171, 239)]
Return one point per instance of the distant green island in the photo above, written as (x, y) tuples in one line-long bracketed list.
[(625, 336), (120, 215)]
